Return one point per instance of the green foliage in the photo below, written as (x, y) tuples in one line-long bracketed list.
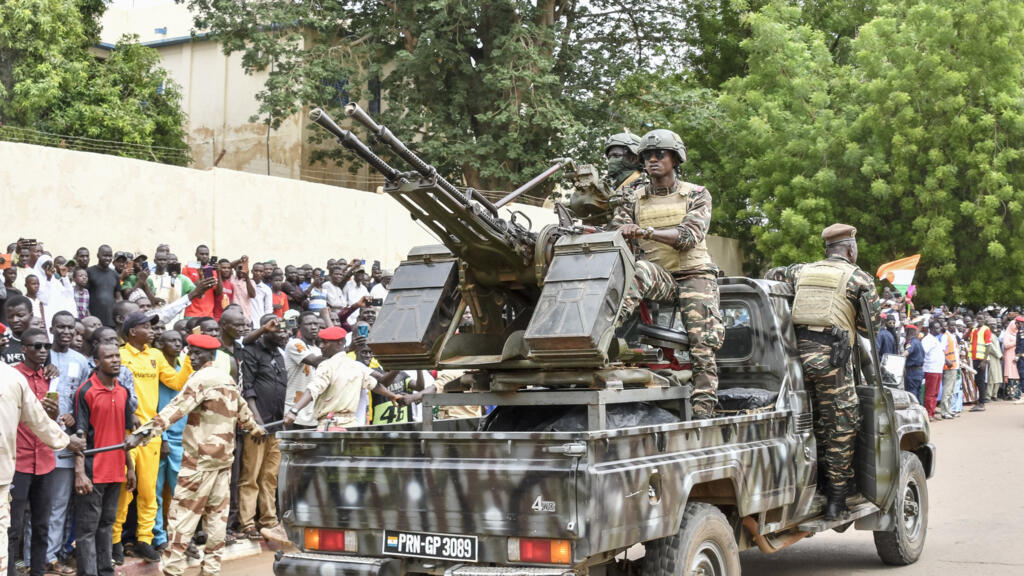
[(915, 138), (494, 89), (50, 82)]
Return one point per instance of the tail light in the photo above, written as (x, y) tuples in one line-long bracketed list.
[(330, 540), (539, 550)]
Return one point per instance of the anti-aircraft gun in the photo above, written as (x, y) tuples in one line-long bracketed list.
[(543, 303)]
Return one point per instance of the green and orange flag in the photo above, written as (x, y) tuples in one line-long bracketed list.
[(900, 272)]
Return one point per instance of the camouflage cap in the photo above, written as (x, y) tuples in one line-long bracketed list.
[(662, 139), (837, 233), (629, 141)]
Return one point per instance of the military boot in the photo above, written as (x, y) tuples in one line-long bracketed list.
[(836, 501)]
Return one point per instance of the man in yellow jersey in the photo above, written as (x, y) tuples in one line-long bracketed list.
[(149, 368)]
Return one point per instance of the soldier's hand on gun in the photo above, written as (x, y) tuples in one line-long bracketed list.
[(630, 230), (289, 419), (136, 439)]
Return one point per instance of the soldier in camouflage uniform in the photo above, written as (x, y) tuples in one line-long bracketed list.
[(669, 219), (826, 314), (214, 406), (622, 160)]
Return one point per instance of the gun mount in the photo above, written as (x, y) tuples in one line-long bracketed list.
[(540, 301)]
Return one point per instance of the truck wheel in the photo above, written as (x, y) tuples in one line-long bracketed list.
[(903, 544), (704, 546)]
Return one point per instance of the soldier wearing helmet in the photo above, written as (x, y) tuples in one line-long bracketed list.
[(670, 220), (622, 159)]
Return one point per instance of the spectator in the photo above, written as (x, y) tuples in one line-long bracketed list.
[(149, 368), (81, 278), (82, 258), (170, 345), (78, 342), (73, 369), (20, 408), (950, 371), (10, 275), (32, 293), (301, 357), (103, 284), (379, 291), (19, 315), (915, 363), (33, 479), (206, 304), (978, 340), (934, 358), (103, 415), (356, 288), (264, 382), (316, 298), (244, 289), (296, 298), (168, 283), (334, 290), (263, 301), (278, 297), (227, 287)]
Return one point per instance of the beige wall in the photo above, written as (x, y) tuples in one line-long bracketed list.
[(67, 199)]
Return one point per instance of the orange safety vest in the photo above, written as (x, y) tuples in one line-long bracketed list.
[(952, 353), (980, 338)]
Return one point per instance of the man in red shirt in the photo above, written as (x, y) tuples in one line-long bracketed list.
[(203, 305), (32, 487), (103, 416)]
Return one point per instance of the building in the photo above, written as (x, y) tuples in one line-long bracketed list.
[(220, 98)]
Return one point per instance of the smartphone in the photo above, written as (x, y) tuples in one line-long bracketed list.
[(52, 396), (376, 302), (245, 266), (214, 259), (362, 330), (207, 271)]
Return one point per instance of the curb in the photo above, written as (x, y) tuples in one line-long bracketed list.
[(240, 549)]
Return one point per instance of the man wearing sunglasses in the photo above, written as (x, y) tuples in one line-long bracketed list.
[(669, 221)]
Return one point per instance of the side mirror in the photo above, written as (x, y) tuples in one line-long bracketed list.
[(892, 370)]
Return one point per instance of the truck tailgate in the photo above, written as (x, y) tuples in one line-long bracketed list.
[(515, 484)]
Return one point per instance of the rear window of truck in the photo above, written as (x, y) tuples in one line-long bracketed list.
[(739, 331)]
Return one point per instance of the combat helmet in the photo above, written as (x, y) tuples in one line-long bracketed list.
[(627, 140), (664, 140)]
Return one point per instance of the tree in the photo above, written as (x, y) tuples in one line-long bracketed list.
[(489, 91), (916, 141), (50, 82)]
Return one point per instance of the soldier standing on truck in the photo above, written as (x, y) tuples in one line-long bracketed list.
[(337, 385), (670, 219), (214, 406), (826, 314)]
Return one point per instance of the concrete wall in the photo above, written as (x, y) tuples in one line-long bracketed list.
[(68, 199)]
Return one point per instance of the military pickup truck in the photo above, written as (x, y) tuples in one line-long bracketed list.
[(454, 497)]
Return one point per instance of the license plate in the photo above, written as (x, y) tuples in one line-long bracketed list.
[(430, 545)]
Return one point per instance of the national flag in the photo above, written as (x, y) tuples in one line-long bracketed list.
[(900, 272)]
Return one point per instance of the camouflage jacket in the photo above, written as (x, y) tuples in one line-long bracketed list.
[(692, 230), (860, 282), (214, 406)]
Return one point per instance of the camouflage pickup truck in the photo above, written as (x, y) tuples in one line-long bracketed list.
[(460, 497)]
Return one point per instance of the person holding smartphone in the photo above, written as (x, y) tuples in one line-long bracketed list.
[(167, 283)]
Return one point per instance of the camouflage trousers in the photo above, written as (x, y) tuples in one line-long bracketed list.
[(198, 495), (697, 298), (836, 410)]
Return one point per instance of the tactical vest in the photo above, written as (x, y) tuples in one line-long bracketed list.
[(666, 212), (821, 296)]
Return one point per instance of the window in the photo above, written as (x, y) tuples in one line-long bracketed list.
[(739, 331)]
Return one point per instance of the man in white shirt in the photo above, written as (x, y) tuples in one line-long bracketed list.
[(18, 404), (934, 359), (262, 301), (301, 357), (355, 289), (335, 290)]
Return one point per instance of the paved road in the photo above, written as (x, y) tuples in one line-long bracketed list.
[(976, 525)]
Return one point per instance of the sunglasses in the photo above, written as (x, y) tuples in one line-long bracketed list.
[(659, 154), (42, 346)]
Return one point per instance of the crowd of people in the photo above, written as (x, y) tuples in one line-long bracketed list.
[(952, 357), (104, 340)]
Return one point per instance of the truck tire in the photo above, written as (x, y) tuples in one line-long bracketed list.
[(903, 544), (705, 545)]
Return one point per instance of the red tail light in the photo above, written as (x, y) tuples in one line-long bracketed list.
[(330, 540), (539, 550)]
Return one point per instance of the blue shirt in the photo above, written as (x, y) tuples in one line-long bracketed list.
[(886, 343), (174, 432), (74, 369), (915, 355)]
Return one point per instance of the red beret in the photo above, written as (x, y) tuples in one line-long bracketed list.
[(203, 342), (912, 326), (332, 334)]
